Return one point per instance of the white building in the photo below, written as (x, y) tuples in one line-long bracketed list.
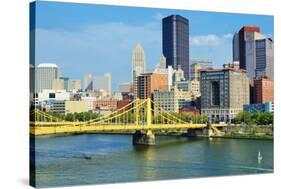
[(138, 64), (48, 94)]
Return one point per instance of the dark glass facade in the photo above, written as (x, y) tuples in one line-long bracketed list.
[(242, 43), (175, 42)]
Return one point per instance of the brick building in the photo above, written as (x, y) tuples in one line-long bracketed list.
[(105, 104), (147, 83), (263, 90), (123, 103)]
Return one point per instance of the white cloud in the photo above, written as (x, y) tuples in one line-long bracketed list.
[(98, 48), (210, 40), (228, 36), (106, 47)]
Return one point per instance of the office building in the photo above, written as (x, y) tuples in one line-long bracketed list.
[(45, 74), (264, 58), (263, 90), (88, 82), (57, 95), (138, 65), (65, 83), (54, 106), (235, 47), (175, 42), (76, 106), (223, 92), (265, 107), (174, 100), (247, 37), (74, 85), (195, 71), (165, 100), (102, 82), (147, 83), (58, 84)]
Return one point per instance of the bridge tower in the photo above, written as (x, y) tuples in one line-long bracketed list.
[(146, 137)]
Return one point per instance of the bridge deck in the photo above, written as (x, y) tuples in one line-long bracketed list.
[(45, 128)]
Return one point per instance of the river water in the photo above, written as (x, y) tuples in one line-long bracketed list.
[(60, 161)]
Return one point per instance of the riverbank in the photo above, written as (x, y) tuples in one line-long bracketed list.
[(264, 137), (260, 132)]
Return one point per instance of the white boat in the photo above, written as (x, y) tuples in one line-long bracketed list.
[(259, 156)]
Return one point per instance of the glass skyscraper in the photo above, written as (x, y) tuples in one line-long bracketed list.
[(264, 58), (175, 42)]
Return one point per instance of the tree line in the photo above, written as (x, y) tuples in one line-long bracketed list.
[(259, 118)]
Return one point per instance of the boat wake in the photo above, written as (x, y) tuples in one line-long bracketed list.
[(257, 168)]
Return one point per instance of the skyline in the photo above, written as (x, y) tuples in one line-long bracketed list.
[(80, 35)]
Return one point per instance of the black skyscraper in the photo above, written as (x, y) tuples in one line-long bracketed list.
[(175, 42)]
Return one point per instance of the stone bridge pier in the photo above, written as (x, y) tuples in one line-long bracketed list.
[(201, 132), (144, 138)]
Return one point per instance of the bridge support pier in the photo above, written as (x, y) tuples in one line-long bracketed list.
[(147, 138), (201, 132)]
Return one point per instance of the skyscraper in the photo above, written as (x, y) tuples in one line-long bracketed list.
[(45, 74), (175, 42), (235, 47), (138, 65), (246, 52), (162, 63), (264, 58), (88, 82)]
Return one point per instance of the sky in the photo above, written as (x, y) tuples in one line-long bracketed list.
[(89, 38)]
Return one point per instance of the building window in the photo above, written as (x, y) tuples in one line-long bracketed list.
[(215, 93), (52, 95)]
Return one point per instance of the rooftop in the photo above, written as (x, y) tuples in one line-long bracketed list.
[(47, 65)]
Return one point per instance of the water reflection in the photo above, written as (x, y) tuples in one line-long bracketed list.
[(59, 160)]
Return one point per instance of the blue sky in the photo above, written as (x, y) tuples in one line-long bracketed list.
[(88, 38)]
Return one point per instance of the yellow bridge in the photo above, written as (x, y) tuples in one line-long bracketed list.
[(140, 116)]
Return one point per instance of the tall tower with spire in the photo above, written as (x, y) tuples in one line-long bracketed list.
[(138, 64)]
